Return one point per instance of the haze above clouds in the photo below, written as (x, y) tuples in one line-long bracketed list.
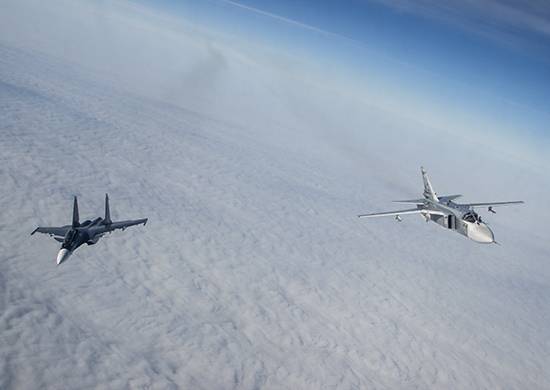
[(253, 271)]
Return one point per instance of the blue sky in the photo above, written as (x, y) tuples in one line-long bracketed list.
[(484, 63)]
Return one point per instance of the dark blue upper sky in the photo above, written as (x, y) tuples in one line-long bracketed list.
[(490, 58)]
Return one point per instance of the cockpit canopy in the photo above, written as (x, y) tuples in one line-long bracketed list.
[(471, 216)]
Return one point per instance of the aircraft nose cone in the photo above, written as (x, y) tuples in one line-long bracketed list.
[(62, 255), (481, 233)]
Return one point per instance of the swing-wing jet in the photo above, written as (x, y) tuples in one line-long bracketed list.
[(443, 210)]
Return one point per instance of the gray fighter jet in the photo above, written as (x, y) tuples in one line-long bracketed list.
[(458, 217), (88, 232)]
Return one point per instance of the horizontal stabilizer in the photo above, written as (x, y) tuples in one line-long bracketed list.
[(414, 201), (446, 198)]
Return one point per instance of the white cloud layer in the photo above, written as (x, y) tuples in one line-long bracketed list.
[(253, 271)]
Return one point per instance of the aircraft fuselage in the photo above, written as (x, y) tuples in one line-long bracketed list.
[(460, 218)]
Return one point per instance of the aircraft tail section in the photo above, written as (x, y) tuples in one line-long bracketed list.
[(75, 213), (107, 219), (429, 192)]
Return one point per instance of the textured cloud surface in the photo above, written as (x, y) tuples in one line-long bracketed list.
[(253, 271)]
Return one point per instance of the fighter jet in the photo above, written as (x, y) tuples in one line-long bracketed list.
[(458, 217), (88, 232)]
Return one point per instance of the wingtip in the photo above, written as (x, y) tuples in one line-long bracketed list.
[(34, 231)]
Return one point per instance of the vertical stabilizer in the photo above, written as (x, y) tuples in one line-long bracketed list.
[(75, 213), (107, 220), (429, 192)]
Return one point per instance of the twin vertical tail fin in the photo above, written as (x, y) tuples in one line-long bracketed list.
[(76, 217), (107, 219), (429, 192)]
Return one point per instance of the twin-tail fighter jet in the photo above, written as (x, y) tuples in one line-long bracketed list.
[(458, 217), (88, 232)]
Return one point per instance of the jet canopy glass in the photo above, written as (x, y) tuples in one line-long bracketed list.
[(471, 216)]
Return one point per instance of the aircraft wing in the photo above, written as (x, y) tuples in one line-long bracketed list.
[(492, 204), (443, 198), (53, 231), (124, 224), (400, 212)]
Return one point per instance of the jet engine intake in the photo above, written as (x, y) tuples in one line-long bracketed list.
[(93, 241)]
